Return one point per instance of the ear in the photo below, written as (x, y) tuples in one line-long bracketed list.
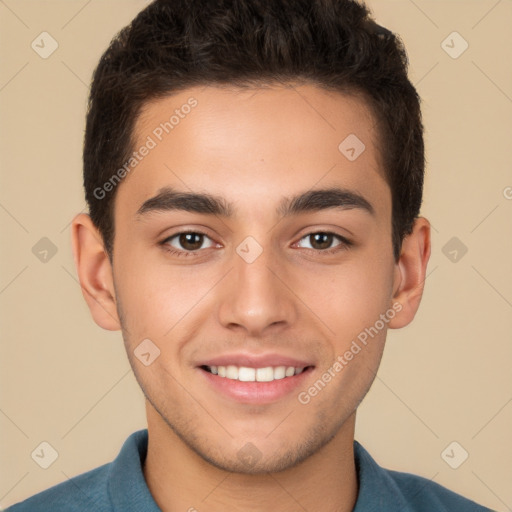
[(410, 273), (94, 272)]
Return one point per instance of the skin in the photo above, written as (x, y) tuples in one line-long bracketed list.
[(253, 147)]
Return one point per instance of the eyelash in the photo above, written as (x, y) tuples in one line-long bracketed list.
[(345, 243)]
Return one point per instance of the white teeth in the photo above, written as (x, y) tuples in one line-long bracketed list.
[(265, 374), (279, 372), (232, 372), (246, 374)]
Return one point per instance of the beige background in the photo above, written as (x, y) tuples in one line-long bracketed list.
[(444, 378)]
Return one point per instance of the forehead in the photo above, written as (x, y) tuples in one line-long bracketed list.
[(255, 146)]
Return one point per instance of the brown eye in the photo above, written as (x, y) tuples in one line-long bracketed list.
[(190, 241), (186, 242), (322, 241)]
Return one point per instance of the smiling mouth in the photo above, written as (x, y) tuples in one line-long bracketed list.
[(247, 374)]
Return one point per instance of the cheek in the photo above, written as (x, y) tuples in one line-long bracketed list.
[(349, 296), (156, 296)]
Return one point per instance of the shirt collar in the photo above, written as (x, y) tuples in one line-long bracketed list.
[(377, 490), (127, 487)]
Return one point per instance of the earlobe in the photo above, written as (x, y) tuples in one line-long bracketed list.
[(94, 272), (410, 272)]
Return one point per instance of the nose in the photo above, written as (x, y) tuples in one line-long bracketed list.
[(256, 296)]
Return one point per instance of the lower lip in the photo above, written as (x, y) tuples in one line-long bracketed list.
[(256, 392)]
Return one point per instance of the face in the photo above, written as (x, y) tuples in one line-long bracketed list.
[(264, 299)]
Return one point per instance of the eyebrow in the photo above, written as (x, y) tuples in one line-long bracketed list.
[(169, 199)]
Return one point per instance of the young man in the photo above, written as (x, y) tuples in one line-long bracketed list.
[(254, 172)]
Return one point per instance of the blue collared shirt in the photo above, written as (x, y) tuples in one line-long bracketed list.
[(119, 486)]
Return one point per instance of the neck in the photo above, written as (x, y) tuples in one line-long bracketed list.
[(180, 480)]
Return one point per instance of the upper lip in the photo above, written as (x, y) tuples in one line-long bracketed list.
[(255, 360)]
